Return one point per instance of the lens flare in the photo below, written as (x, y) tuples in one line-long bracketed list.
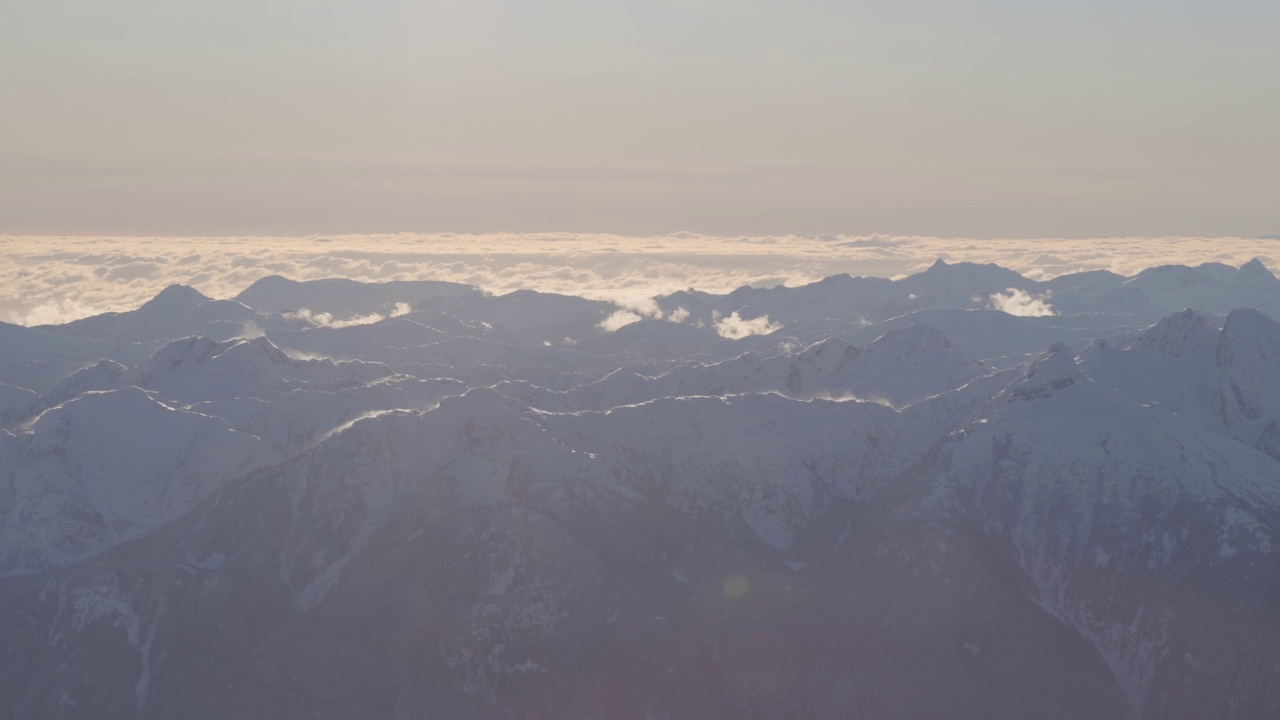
[(736, 587)]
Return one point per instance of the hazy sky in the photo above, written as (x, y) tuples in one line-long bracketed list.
[(980, 118)]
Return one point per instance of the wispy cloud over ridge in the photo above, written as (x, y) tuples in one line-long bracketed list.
[(55, 279)]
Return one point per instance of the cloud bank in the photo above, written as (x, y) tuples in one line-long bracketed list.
[(56, 279)]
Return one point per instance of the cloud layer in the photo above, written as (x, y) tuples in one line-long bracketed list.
[(49, 280)]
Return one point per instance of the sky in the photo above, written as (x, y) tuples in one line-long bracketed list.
[(982, 119)]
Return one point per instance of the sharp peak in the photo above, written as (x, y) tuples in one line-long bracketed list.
[(1248, 335), (1257, 267)]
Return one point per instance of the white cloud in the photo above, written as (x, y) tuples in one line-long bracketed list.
[(678, 315), (327, 320), (619, 319), (54, 312), (644, 306), (49, 280), (735, 328), (1022, 303)]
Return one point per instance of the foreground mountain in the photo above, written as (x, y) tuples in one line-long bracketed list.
[(861, 497), (1131, 524), (107, 467)]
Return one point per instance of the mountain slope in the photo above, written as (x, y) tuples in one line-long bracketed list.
[(107, 467), (507, 507), (1105, 504)]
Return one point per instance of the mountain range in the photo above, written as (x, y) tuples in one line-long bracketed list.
[(963, 493)]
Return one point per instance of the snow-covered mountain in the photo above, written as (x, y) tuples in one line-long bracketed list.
[(38, 359), (17, 404), (1106, 504), (294, 420), (106, 467), (1227, 381), (1211, 287), (899, 368), (178, 311), (1030, 498), (102, 375), (198, 369)]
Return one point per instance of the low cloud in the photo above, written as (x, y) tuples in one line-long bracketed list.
[(52, 280), (327, 320), (1022, 303), (53, 312), (618, 320), (734, 327), (644, 306)]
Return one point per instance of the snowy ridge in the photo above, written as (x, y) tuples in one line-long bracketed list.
[(1092, 491), (424, 500), (109, 466), (201, 369)]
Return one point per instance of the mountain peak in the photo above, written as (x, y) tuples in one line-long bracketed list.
[(1255, 272), (1254, 265), (1248, 356), (1250, 322), (1248, 336), (177, 296), (1053, 371), (1179, 334)]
